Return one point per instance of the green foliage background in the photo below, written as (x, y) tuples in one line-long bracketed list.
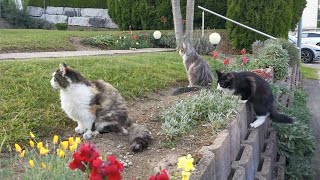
[(156, 14), (275, 17)]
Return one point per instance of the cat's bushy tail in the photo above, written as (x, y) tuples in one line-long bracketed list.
[(185, 90), (139, 137), (278, 117)]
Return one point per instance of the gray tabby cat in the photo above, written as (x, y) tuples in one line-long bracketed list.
[(97, 107), (198, 70)]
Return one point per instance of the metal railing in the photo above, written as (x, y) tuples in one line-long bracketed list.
[(228, 19)]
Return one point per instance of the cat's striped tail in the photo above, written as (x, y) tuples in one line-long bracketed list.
[(184, 90), (139, 137)]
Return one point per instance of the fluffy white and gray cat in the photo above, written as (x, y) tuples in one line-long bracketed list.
[(198, 70), (97, 107)]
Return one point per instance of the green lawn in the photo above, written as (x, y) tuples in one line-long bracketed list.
[(309, 73), (28, 103), (22, 40)]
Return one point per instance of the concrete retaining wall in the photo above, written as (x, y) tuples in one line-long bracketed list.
[(243, 153), (86, 17)]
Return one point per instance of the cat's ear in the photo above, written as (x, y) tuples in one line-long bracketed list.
[(64, 68), (229, 76), (218, 73)]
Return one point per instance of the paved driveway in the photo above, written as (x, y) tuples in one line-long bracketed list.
[(313, 89)]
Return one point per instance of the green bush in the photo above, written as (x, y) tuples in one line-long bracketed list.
[(70, 3), (138, 40), (299, 167), (298, 7), (202, 44), (296, 141), (278, 54), (120, 42), (208, 106), (271, 17), (167, 40), (61, 26), (20, 19), (273, 55), (292, 50), (143, 14), (294, 58)]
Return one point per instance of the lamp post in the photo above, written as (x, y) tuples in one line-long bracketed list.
[(214, 39), (157, 35)]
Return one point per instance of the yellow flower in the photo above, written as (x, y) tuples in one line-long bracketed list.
[(31, 163), (43, 165), (44, 151), (73, 147), (31, 143), (39, 145), (55, 139), (78, 140), (70, 140), (185, 175), (32, 135), (64, 145), (18, 148), (22, 153), (186, 163), (60, 152)]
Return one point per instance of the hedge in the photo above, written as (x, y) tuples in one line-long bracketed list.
[(70, 3), (145, 14), (274, 17)]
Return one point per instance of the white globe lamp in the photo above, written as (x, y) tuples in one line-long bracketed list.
[(157, 35), (214, 38)]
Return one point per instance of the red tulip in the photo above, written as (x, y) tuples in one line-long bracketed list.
[(214, 54), (243, 51), (244, 59), (163, 175), (226, 61)]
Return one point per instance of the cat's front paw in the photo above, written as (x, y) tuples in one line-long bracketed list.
[(253, 125), (95, 133), (79, 130), (87, 135)]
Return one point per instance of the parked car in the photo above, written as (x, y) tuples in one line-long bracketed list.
[(309, 52), (310, 37)]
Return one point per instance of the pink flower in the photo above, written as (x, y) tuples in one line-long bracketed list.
[(244, 59), (214, 54), (243, 51), (226, 61)]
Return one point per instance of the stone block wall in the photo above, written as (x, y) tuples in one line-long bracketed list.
[(86, 17), (243, 153)]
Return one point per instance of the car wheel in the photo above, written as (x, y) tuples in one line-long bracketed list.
[(306, 56), (318, 44)]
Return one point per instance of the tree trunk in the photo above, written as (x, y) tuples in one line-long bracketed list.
[(189, 18), (177, 19), (19, 4)]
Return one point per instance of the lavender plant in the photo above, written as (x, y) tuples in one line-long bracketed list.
[(209, 106)]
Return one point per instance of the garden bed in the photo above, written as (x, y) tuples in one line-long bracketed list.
[(162, 153)]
